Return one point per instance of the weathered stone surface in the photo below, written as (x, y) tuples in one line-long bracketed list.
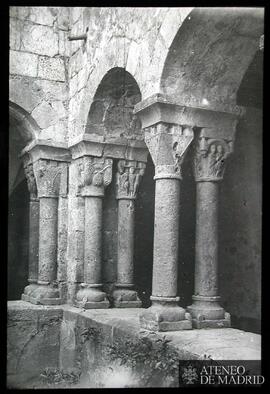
[(202, 77), (15, 28), (33, 240), (59, 108), (42, 15), (51, 68), (92, 256), (63, 18), (165, 315), (56, 132), (166, 238), (33, 341), (53, 90), (85, 338), (210, 158), (39, 39), (62, 239), (45, 115), (209, 164), (48, 239), (67, 355), (125, 241), (32, 96), (64, 44), (23, 63)]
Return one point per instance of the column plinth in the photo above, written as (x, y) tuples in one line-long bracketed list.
[(167, 146), (95, 175), (209, 162), (127, 180)]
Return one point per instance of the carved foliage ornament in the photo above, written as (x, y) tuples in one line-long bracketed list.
[(128, 178), (168, 144), (210, 158), (31, 181), (51, 177), (94, 171)]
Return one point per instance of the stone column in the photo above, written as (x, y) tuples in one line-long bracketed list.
[(48, 177), (96, 174), (62, 234), (167, 144), (209, 164), (127, 180), (33, 232)]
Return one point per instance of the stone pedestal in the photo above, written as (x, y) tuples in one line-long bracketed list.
[(33, 233), (167, 145), (96, 174), (128, 178), (209, 167)]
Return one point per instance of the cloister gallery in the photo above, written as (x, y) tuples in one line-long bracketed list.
[(135, 159)]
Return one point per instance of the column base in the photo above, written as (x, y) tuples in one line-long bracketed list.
[(90, 296), (125, 297), (165, 315), (42, 294), (221, 323), (207, 313), (28, 290)]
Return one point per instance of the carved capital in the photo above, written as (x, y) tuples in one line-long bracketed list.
[(128, 178), (210, 158), (94, 174), (168, 144), (31, 181), (51, 178)]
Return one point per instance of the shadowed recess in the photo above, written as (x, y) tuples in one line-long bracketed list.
[(111, 111)]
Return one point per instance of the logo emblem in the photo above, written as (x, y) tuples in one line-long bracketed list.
[(189, 374)]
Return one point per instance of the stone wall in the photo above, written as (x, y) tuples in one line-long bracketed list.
[(240, 226), (66, 347), (33, 342), (39, 57)]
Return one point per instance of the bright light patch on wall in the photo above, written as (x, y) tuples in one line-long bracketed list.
[(205, 101)]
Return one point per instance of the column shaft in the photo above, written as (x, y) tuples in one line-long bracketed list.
[(93, 240), (48, 240), (206, 252), (33, 241), (166, 238), (33, 251), (125, 241), (124, 294)]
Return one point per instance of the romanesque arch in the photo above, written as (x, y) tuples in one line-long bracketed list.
[(22, 130), (111, 112), (137, 49), (210, 55)]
